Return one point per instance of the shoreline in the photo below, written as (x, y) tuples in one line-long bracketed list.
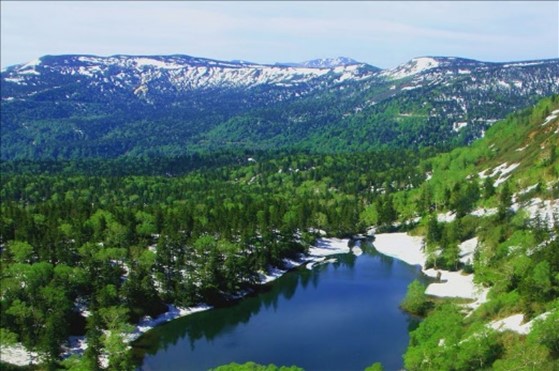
[(317, 254), (400, 246), (18, 355), (409, 249)]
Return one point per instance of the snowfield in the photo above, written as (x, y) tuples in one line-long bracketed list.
[(409, 249), (402, 247)]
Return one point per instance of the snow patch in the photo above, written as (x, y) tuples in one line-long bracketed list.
[(150, 62), (446, 218), (467, 249), (329, 246), (147, 323), (15, 80), (459, 125), (547, 210), (29, 72), (312, 265), (401, 246), (502, 170), (528, 189), (515, 323), (413, 67), (34, 63), (412, 87), (551, 117), (410, 250), (484, 212), (317, 255), (454, 285), (18, 355), (523, 64)]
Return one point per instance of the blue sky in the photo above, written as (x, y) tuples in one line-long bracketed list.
[(384, 34)]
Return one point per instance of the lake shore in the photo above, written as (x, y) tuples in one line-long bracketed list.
[(409, 249), (18, 355)]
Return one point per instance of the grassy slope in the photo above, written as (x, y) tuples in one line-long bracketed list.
[(517, 258)]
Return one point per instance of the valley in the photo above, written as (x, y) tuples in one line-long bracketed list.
[(135, 185)]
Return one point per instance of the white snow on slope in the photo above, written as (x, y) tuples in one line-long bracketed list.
[(467, 249), (401, 246), (515, 323), (459, 125), (547, 210), (523, 64), (410, 250), (447, 217), (147, 323), (142, 62), (329, 246), (551, 117), (482, 212), (453, 285), (502, 170), (413, 67), (186, 73)]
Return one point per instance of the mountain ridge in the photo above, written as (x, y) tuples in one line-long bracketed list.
[(91, 106)]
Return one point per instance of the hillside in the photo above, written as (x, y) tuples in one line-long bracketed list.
[(77, 106), (86, 249), (492, 209)]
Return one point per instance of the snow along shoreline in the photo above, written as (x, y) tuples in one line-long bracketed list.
[(409, 249), (18, 355)]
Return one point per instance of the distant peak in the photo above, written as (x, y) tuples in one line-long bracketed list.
[(329, 62), (323, 63), (243, 62)]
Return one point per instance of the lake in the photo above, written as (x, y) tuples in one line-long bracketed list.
[(338, 316)]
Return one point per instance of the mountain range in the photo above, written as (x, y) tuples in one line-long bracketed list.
[(83, 106)]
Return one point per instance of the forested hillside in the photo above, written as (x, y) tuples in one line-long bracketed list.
[(503, 194), (89, 246), (116, 247), (75, 106)]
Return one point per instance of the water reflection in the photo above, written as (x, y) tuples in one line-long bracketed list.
[(340, 315)]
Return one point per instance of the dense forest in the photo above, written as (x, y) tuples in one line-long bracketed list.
[(125, 245), (89, 247), (72, 107)]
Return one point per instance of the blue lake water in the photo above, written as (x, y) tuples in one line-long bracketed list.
[(338, 316)]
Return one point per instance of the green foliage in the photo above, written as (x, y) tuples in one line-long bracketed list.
[(545, 331), (7, 337), (415, 300), (125, 237), (21, 252), (523, 355), (441, 342), (377, 366), (251, 366)]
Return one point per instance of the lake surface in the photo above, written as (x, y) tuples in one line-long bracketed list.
[(338, 316)]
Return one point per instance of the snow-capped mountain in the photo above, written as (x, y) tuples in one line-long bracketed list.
[(83, 105), (167, 75), (323, 63)]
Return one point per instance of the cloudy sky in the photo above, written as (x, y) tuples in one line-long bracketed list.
[(384, 34)]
